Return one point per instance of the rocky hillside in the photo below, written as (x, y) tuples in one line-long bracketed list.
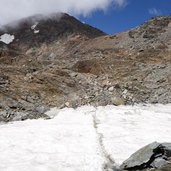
[(63, 62)]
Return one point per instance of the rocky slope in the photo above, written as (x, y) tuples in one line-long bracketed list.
[(63, 62)]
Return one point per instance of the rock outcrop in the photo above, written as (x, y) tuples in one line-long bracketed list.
[(155, 156)]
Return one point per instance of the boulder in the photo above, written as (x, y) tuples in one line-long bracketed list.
[(117, 101), (159, 162), (154, 155)]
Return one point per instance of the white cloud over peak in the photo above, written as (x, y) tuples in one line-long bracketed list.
[(154, 11), (16, 9)]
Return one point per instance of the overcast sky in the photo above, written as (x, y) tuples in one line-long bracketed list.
[(12, 10)]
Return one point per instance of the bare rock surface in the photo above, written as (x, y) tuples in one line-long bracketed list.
[(153, 156)]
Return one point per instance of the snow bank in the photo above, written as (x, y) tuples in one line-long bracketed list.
[(127, 129), (70, 140), (66, 143)]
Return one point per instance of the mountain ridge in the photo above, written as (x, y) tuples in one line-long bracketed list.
[(36, 30)]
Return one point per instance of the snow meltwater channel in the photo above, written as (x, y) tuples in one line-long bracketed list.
[(82, 139)]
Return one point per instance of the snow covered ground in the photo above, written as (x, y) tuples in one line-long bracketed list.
[(7, 38), (82, 139)]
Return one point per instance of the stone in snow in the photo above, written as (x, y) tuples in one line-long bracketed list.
[(154, 154), (140, 157)]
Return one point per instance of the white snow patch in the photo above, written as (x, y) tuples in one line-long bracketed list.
[(7, 38), (126, 129), (69, 141), (33, 27), (36, 31)]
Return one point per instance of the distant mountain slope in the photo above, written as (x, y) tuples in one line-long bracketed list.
[(50, 62), (36, 30)]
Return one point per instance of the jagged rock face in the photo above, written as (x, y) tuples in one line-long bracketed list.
[(50, 62)]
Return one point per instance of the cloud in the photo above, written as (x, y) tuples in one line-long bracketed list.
[(154, 11), (11, 10), (120, 3)]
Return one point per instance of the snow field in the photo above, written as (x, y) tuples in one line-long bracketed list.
[(66, 143), (70, 140), (126, 129)]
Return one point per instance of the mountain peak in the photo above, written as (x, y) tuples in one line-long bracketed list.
[(39, 29)]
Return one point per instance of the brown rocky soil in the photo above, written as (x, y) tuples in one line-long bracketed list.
[(68, 63)]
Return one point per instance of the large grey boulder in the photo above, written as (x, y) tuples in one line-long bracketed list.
[(159, 162), (154, 155)]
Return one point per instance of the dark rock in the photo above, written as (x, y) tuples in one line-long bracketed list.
[(141, 157), (7, 116), (41, 109), (159, 162), (154, 155)]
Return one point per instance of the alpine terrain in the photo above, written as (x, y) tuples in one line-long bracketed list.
[(58, 61), (73, 98)]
